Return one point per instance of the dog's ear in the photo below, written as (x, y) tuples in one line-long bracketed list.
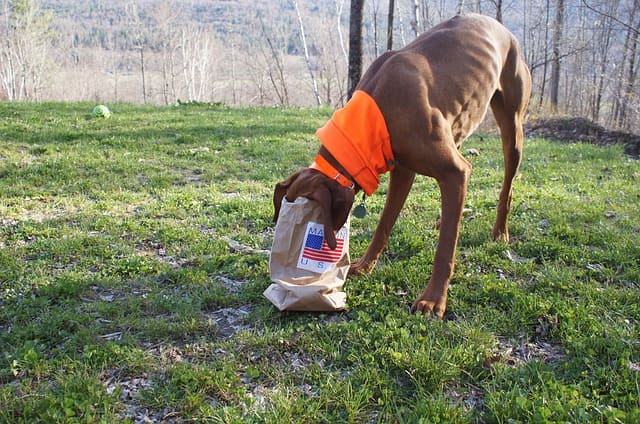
[(342, 201), (280, 191), (335, 201), (322, 196)]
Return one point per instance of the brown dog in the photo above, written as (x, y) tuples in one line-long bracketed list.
[(432, 95)]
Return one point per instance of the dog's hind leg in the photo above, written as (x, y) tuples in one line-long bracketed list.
[(508, 108), (399, 186)]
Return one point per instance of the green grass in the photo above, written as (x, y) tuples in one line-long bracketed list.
[(120, 297)]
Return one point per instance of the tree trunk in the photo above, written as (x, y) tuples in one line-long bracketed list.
[(603, 44), (390, 25), (555, 63), (278, 77), (339, 5), (632, 73), (499, 10), (234, 96), (355, 45), (374, 23), (415, 18), (144, 85), (619, 102), (546, 52), (115, 83), (26, 36), (307, 59)]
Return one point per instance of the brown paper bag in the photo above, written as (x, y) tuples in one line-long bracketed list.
[(306, 274)]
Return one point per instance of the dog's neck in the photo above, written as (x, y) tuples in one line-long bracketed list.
[(357, 138), (340, 175)]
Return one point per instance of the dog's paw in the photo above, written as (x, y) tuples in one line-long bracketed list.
[(430, 308), (361, 268), (500, 235)]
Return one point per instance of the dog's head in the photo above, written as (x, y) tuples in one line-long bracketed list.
[(335, 200)]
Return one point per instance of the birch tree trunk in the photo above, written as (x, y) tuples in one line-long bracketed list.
[(415, 18), (24, 49), (339, 5), (374, 22), (307, 59)]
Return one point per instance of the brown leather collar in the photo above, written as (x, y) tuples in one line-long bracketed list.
[(323, 163)]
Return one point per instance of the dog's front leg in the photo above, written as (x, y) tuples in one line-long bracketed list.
[(453, 189), (400, 184)]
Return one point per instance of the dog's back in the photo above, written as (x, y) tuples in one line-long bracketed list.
[(457, 65)]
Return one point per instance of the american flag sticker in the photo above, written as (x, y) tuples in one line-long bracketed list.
[(315, 254)]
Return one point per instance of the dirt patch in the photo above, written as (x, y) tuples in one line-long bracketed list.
[(229, 321), (468, 395), (572, 130), (515, 355)]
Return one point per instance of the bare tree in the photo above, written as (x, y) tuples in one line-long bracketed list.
[(273, 54), (555, 63), (355, 45), (27, 35), (498, 5), (390, 25), (138, 39), (167, 17), (307, 59), (195, 45), (330, 60), (339, 5), (234, 76), (545, 48), (600, 54), (373, 25), (415, 18), (608, 14), (401, 24), (629, 70)]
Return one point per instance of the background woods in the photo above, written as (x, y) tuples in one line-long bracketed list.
[(583, 54)]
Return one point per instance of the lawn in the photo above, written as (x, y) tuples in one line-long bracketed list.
[(132, 267)]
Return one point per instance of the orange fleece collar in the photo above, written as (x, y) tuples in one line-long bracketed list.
[(357, 137)]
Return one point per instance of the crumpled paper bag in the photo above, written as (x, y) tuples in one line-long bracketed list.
[(306, 274)]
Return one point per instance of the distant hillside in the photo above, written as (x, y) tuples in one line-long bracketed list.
[(92, 23)]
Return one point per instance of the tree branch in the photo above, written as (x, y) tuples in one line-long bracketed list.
[(613, 18), (548, 60)]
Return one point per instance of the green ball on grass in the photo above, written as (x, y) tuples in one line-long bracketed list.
[(101, 111)]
